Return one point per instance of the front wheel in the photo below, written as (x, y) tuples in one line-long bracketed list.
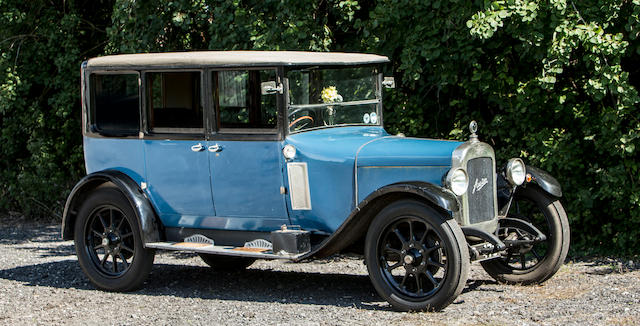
[(108, 242), (417, 258), (528, 261)]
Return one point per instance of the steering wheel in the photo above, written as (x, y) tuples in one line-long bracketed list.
[(302, 118)]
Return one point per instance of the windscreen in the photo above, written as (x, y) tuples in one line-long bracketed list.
[(325, 97)]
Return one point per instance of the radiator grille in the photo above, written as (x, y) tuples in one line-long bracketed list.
[(481, 190)]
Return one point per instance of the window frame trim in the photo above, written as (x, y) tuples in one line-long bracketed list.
[(378, 90), (88, 109), (244, 134), (147, 133)]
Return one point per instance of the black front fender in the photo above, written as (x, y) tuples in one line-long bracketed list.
[(539, 178), (357, 223), (141, 206), (545, 181)]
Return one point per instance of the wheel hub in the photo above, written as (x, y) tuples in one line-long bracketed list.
[(408, 259), (111, 241), (113, 238), (412, 257)]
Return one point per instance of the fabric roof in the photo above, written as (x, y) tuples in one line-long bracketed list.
[(233, 58)]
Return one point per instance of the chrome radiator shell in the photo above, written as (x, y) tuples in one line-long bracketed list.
[(486, 215)]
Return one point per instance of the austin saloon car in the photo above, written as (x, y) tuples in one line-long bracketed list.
[(245, 155)]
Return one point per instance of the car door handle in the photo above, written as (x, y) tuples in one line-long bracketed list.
[(215, 148), (197, 148)]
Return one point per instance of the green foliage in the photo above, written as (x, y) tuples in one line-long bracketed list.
[(551, 81), (42, 46)]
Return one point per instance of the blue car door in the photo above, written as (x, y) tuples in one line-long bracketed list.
[(177, 163), (245, 152)]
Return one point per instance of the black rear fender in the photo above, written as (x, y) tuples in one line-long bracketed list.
[(146, 216)]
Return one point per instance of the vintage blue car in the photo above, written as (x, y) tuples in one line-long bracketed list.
[(245, 155)]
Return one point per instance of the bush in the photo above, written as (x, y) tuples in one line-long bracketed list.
[(553, 82)]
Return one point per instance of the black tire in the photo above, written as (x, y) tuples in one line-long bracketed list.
[(226, 263), (429, 254), (536, 263), (108, 242)]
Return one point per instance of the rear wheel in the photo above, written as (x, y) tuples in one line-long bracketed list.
[(227, 263), (530, 261), (417, 258), (108, 242)]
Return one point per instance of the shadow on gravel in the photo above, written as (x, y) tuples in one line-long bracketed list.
[(202, 282), (260, 285), (61, 274), (57, 251), (474, 285), (10, 234)]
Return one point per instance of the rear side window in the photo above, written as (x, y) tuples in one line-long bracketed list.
[(174, 102), (115, 106)]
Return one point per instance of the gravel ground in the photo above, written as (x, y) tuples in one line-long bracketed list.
[(41, 283)]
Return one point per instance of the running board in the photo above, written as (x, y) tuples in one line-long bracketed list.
[(206, 248)]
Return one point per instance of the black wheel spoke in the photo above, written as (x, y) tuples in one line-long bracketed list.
[(404, 279), (435, 263), (393, 250), (124, 261), (522, 261), (400, 237), (411, 236), (124, 247), (394, 266), (126, 235), (104, 225), (111, 218), (98, 247), (105, 258), (98, 234), (418, 283), (424, 236), (431, 278), (535, 254), (432, 249), (120, 224), (115, 264)]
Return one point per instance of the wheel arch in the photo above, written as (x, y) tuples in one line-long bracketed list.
[(355, 226), (145, 214)]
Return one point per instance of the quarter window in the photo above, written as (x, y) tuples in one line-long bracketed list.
[(243, 99), (115, 106), (174, 102)]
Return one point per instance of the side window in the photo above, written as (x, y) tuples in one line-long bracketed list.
[(115, 105), (242, 101), (174, 102)]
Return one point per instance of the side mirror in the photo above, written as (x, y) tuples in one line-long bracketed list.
[(270, 87), (389, 82)]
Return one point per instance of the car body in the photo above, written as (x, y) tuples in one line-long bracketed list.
[(242, 155)]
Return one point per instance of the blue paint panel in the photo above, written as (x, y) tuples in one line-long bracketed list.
[(330, 155), (397, 151), (178, 180), (372, 178), (125, 155), (246, 178), (231, 223)]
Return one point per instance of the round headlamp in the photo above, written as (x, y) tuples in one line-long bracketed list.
[(516, 171), (458, 181)]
